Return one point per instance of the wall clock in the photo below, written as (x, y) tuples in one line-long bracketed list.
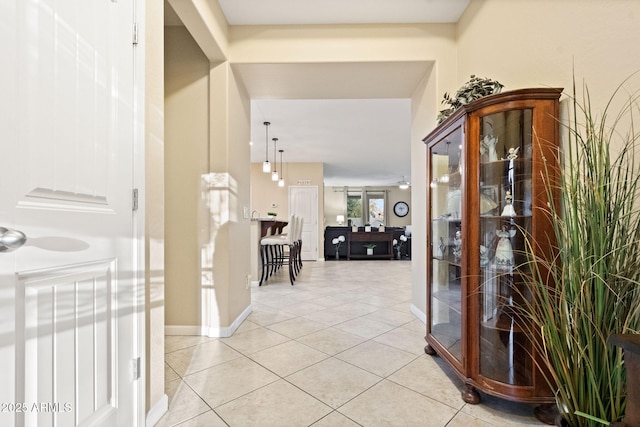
[(401, 209)]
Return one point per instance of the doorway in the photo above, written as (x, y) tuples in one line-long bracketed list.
[(303, 201)]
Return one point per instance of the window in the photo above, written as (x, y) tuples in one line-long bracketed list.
[(376, 208), (354, 207), (366, 207)]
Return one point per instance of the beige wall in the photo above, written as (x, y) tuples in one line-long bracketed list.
[(207, 178), (547, 39), (343, 43), (395, 195), (335, 203), (186, 162), (424, 110), (266, 196), (226, 248)]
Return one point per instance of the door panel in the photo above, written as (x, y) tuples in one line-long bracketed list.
[(67, 339), (67, 306), (303, 201)]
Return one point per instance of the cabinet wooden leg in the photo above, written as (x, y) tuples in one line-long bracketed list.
[(546, 413), (470, 395), (429, 350)]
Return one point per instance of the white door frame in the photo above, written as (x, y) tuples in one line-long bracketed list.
[(139, 227)]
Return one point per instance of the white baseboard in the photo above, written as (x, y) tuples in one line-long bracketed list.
[(209, 331), (227, 331), (157, 411), (184, 330), (419, 314)]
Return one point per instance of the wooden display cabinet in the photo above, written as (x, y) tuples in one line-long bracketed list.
[(487, 165)]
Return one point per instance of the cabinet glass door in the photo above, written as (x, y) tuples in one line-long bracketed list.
[(506, 144), (446, 242)]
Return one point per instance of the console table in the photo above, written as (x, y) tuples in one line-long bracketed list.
[(331, 232), (356, 241)]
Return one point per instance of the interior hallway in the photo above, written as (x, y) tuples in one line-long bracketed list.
[(340, 348)]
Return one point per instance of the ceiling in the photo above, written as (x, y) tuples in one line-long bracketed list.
[(288, 12), (358, 127), (353, 117)]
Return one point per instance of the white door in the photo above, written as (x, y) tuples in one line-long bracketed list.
[(68, 330), (303, 201)]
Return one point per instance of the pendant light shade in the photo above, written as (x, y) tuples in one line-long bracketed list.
[(266, 166), (281, 180), (274, 174)]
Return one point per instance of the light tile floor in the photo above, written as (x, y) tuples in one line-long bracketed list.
[(340, 348)]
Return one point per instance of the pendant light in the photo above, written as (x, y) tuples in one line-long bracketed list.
[(266, 166), (274, 174), (281, 180)]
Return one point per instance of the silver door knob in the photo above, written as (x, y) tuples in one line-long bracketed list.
[(10, 240)]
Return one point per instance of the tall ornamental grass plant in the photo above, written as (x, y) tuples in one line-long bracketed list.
[(589, 288)]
